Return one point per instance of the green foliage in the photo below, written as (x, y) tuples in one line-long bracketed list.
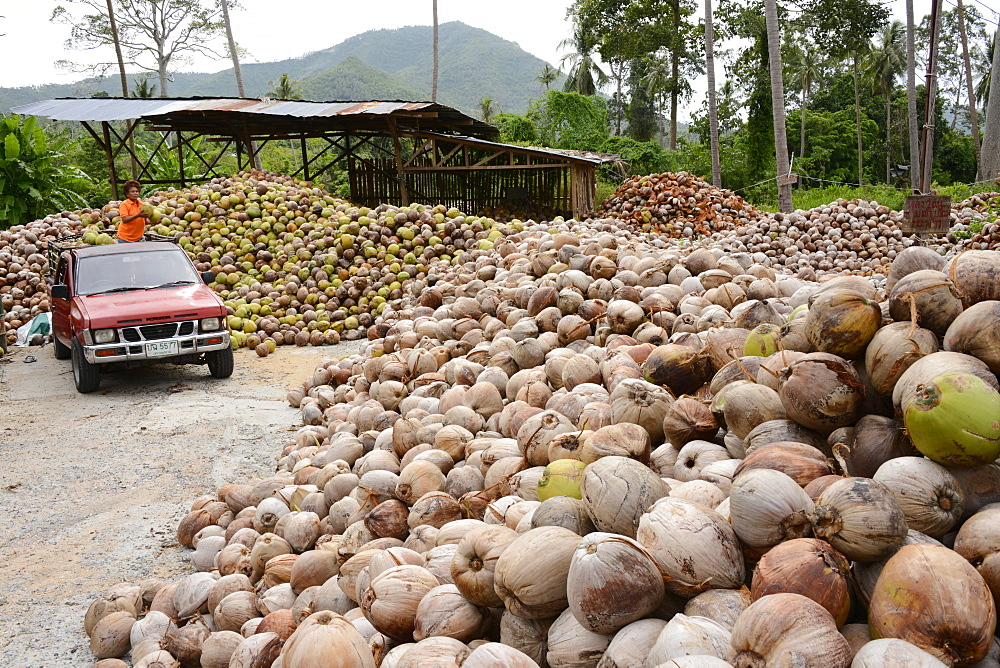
[(832, 144), (85, 154), (33, 181), (515, 129), (642, 157), (954, 159), (640, 112), (163, 164), (570, 120)]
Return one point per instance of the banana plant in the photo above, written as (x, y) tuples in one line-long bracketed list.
[(33, 180)]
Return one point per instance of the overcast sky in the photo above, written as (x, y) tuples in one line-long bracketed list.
[(270, 30), (285, 29)]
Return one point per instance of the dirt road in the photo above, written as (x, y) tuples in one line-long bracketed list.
[(92, 486)]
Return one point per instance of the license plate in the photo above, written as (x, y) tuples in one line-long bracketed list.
[(161, 349)]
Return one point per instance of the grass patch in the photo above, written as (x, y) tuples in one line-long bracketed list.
[(604, 191), (765, 196)]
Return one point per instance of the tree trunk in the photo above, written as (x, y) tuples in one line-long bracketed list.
[(232, 48), (911, 99), (434, 75), (927, 136), (778, 102), (713, 114), (619, 107), (989, 168), (802, 123), (888, 138), (161, 72), (118, 49), (675, 58), (121, 71), (857, 122), (241, 91), (973, 113)]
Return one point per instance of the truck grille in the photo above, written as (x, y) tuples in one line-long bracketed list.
[(154, 332)]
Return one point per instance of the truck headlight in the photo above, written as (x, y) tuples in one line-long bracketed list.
[(104, 336), (210, 324)]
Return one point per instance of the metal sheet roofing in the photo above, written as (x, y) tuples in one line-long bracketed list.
[(578, 156), (259, 115)]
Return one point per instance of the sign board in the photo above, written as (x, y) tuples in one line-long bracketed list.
[(927, 214), (788, 179)]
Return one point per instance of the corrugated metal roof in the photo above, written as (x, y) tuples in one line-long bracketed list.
[(119, 109), (580, 156)]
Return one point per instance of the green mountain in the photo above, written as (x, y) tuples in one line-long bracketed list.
[(352, 79), (383, 64)]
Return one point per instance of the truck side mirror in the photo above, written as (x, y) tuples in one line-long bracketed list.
[(208, 277), (60, 291)]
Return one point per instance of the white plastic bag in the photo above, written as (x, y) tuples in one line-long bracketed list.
[(40, 324)]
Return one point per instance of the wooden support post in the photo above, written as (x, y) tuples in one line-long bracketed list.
[(400, 174), (305, 158), (180, 158), (111, 161)]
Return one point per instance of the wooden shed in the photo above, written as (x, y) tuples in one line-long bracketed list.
[(395, 152)]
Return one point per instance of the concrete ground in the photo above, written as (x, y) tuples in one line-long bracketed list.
[(92, 486)]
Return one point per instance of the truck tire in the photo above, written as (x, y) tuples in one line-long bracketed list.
[(61, 351), (86, 376), (220, 362)]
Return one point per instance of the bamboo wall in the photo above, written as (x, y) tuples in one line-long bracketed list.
[(376, 181)]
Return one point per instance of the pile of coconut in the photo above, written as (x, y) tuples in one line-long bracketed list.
[(585, 450)]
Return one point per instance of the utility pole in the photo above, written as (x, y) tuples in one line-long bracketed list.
[(927, 134)]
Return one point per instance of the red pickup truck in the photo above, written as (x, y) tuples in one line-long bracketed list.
[(123, 304)]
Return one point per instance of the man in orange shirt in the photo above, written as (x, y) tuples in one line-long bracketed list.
[(133, 224)]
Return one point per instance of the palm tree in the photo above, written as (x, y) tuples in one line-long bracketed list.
[(983, 87), (885, 62), (434, 75), (778, 102), (713, 114), (856, 56), (118, 48), (807, 66), (547, 76), (659, 82), (970, 91), (488, 109), (990, 166), (584, 76), (237, 71), (285, 89), (911, 99), (143, 88)]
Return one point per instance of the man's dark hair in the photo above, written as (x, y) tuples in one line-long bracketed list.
[(131, 183)]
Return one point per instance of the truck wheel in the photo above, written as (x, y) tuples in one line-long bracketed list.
[(61, 351), (87, 376), (220, 362)]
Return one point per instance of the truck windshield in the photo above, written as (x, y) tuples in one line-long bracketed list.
[(122, 272)]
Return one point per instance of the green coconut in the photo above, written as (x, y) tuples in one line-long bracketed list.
[(954, 420), (561, 478), (763, 340)]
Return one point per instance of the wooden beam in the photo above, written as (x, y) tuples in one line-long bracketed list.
[(462, 168), (111, 161), (403, 195)]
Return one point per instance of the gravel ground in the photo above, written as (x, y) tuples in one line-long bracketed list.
[(92, 486)]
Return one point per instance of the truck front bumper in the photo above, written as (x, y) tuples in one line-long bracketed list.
[(164, 350)]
